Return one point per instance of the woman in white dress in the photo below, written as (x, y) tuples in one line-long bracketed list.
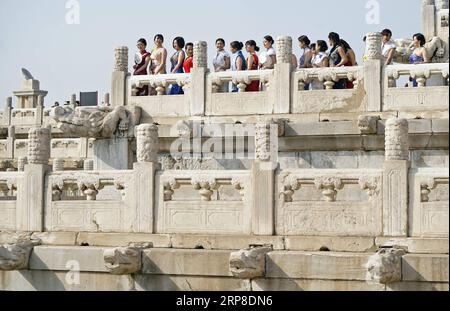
[(222, 61), (319, 60), (268, 58)]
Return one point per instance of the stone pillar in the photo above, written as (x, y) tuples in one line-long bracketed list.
[(197, 89), (263, 178), (106, 99), (58, 165), (73, 101), (373, 72), (442, 21), (281, 91), (119, 77), (10, 141), (147, 143), (143, 194), (395, 178), (30, 199), (7, 111), (40, 110), (428, 18)]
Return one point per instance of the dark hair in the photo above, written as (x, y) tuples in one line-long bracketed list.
[(237, 45), (386, 32), (221, 40), (345, 45), (364, 38), (252, 43), (312, 46), (143, 41), (180, 42), (421, 38), (304, 39), (269, 39), (159, 36), (335, 38), (323, 45), (189, 44)]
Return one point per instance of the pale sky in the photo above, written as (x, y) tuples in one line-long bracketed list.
[(68, 58)]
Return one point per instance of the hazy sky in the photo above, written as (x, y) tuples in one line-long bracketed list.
[(69, 58)]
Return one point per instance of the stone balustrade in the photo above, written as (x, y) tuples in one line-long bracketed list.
[(428, 209), (328, 202), (204, 202), (9, 196), (431, 92), (160, 83)]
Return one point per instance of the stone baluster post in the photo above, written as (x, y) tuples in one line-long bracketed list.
[(7, 111), (119, 77), (30, 198), (281, 92), (373, 80), (10, 141), (428, 18), (263, 178), (197, 89), (395, 178), (106, 99), (143, 193), (40, 110)]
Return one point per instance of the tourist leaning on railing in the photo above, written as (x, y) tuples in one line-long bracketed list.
[(253, 64), (387, 47), (268, 57), (305, 59), (142, 62), (351, 56), (159, 56), (338, 57), (189, 62), (177, 61), (320, 60), (238, 62), (222, 61), (419, 55)]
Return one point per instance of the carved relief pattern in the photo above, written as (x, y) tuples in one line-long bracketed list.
[(373, 45), (329, 187), (147, 143), (38, 145), (121, 59), (371, 184), (205, 186), (396, 139), (284, 50)]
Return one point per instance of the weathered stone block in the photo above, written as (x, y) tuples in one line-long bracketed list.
[(385, 266), (425, 268)]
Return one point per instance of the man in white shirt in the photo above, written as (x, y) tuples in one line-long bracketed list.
[(388, 47)]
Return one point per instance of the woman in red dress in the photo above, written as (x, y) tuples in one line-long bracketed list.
[(140, 69), (189, 62), (253, 64), (351, 61)]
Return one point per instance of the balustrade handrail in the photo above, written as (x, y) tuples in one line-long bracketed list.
[(415, 69)]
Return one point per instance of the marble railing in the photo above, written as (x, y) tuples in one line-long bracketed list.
[(160, 104), (431, 92), (91, 201), (320, 95), (204, 202), (221, 100), (329, 202), (9, 197), (65, 148), (429, 206)]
